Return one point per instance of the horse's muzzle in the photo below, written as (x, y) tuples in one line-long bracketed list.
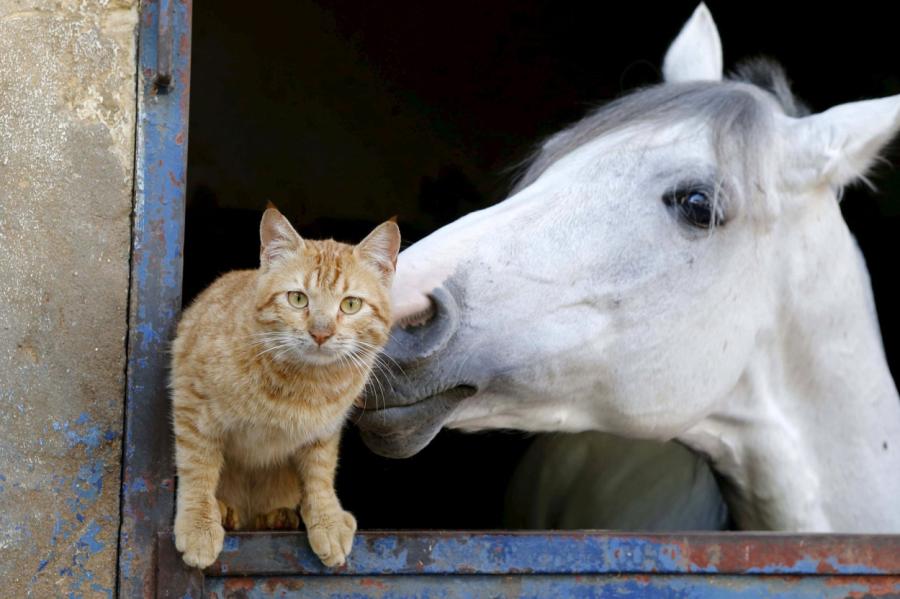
[(414, 391), (403, 431)]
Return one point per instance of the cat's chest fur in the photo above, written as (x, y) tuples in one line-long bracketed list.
[(271, 432)]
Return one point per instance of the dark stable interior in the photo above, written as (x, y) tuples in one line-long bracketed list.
[(345, 113)]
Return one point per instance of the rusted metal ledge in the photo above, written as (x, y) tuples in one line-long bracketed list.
[(583, 563)]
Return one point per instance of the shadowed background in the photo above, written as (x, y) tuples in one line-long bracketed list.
[(345, 113)]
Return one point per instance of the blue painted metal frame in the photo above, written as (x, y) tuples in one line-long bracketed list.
[(155, 296), (561, 564), (405, 564)]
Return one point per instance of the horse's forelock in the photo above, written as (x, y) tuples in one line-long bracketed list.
[(741, 124), (769, 75)]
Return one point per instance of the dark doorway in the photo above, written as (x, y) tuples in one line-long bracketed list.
[(345, 113)]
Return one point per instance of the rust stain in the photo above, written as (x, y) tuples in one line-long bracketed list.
[(240, 584), (27, 347), (875, 586), (372, 583), (273, 585), (832, 554)]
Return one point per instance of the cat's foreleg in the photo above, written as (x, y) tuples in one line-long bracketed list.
[(199, 460), (330, 529)]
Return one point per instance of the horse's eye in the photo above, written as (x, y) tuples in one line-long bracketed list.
[(695, 206)]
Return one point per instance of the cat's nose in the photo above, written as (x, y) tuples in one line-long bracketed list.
[(321, 336)]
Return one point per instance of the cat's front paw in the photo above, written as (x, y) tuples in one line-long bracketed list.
[(199, 539), (331, 536)]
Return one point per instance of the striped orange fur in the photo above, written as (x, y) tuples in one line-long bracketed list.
[(262, 383)]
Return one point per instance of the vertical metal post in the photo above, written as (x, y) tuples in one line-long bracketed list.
[(164, 47), (155, 296)]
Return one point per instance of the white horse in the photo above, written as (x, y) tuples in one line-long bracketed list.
[(674, 266)]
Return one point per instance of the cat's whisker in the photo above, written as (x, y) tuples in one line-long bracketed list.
[(377, 388), (371, 379), (379, 362), (361, 367), (266, 335), (382, 356), (274, 348)]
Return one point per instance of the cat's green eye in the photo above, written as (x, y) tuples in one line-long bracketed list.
[(297, 299), (351, 305)]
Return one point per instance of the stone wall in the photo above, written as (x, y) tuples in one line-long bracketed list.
[(67, 111)]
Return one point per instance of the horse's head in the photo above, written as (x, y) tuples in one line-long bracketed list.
[(625, 283)]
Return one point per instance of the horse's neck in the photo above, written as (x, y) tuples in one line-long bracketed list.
[(810, 436)]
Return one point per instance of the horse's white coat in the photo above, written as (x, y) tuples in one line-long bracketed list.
[(756, 343)]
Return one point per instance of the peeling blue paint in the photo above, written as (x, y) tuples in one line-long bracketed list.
[(806, 565), (231, 544), (70, 535), (88, 483), (89, 539), (98, 588), (584, 587), (90, 438), (57, 530), (138, 485), (146, 332)]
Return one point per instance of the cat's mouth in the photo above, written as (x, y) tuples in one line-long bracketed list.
[(402, 429)]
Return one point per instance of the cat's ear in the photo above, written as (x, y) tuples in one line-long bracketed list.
[(381, 247), (277, 237)]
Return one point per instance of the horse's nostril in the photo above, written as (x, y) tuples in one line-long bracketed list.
[(430, 333), (419, 318)]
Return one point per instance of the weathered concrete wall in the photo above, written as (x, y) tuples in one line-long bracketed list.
[(67, 81)]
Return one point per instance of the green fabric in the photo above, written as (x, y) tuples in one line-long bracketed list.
[(595, 480)]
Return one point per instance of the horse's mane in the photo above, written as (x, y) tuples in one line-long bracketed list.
[(741, 123)]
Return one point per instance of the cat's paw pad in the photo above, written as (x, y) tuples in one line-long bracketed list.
[(199, 539), (331, 536), (230, 519), (283, 518)]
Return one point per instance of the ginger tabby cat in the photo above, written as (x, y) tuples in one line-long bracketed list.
[(266, 365)]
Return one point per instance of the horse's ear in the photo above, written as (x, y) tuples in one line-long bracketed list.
[(696, 54), (839, 145)]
